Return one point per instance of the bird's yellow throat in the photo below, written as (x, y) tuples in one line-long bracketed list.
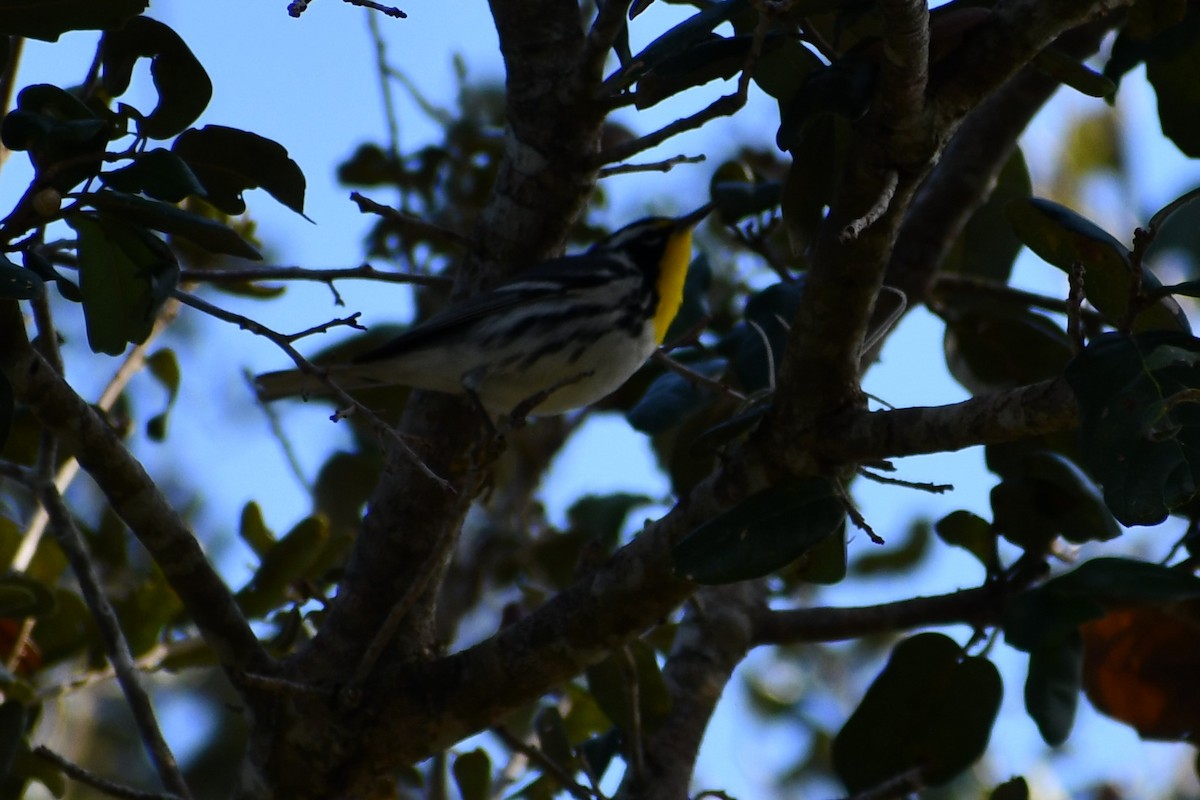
[(672, 272)]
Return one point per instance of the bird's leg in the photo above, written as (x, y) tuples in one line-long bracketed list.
[(517, 417)]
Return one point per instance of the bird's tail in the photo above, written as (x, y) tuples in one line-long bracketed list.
[(288, 383)]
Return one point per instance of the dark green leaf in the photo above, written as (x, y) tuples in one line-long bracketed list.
[(165, 368), (29, 767), (1047, 496), (22, 596), (764, 533), (287, 562), (207, 233), (228, 161), (64, 137), (1139, 422), (126, 273), (598, 751), (630, 672), (1053, 611), (971, 532), (49, 19), (182, 84), (601, 517), (1172, 63), (671, 398), (687, 33), (987, 247), (8, 404), (711, 59), (931, 707), (818, 151), (473, 775), (1071, 72), (1053, 685), (783, 68), (1012, 789), (996, 346), (736, 201), (158, 173), (843, 89), (756, 347), (12, 733), (552, 736), (19, 283), (253, 530), (1063, 238)]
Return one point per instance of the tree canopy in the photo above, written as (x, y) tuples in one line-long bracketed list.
[(423, 627)]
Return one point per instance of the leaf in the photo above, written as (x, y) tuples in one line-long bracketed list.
[(64, 137), (552, 736), (183, 86), (971, 532), (736, 200), (1043, 496), (126, 273), (601, 517), (158, 173), (1140, 667), (228, 161), (22, 596), (783, 68), (763, 533), (1012, 789), (687, 33), (756, 350), (671, 398), (165, 368), (1052, 687), (8, 404), (1171, 68), (19, 283), (203, 231), (931, 707), (1140, 423), (630, 671), (12, 733), (996, 346), (1071, 72), (49, 19), (287, 562), (987, 246), (1063, 238), (473, 775), (1054, 610), (253, 530)]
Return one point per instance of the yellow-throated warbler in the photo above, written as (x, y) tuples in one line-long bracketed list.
[(565, 333)]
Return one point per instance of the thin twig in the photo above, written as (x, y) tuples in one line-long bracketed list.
[(873, 214), (696, 378), (722, 106), (899, 786), (89, 778), (666, 165), (1075, 296), (8, 81), (351, 693), (548, 765), (70, 540), (364, 272), (390, 11), (368, 206), (932, 488), (69, 469), (308, 368), (289, 452), (1002, 291)]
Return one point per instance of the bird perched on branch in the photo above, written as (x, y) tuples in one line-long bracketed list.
[(557, 336)]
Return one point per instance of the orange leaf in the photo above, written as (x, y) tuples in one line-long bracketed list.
[(1140, 667)]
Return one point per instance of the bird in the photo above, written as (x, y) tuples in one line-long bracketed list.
[(552, 338)]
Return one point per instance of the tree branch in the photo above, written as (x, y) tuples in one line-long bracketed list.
[(712, 640), (71, 541), (363, 272), (134, 497), (102, 785), (861, 436)]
